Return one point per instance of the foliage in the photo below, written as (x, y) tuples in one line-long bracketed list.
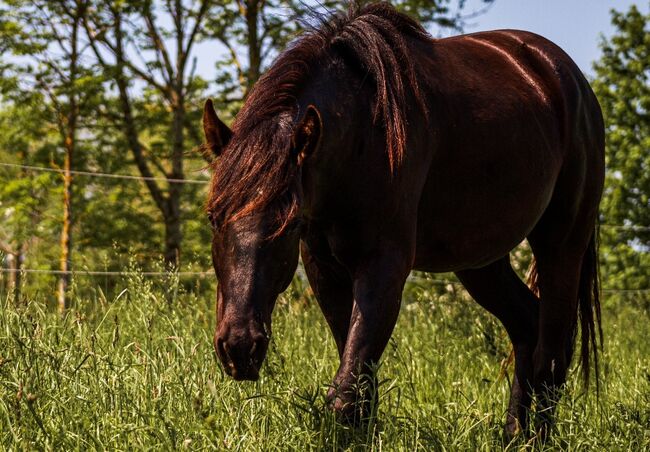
[(623, 88), (149, 46), (137, 98), (253, 32), (27, 226)]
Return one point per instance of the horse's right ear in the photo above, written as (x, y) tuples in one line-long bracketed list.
[(217, 134), (307, 134)]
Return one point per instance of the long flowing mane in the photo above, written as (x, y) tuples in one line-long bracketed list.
[(256, 168)]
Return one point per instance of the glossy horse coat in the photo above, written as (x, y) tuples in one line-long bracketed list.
[(378, 149)]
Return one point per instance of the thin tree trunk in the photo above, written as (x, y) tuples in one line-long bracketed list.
[(66, 233), (173, 230), (169, 205), (18, 279), (15, 275), (173, 234), (254, 48), (11, 266), (69, 144)]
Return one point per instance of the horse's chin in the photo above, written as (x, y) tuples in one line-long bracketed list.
[(251, 375)]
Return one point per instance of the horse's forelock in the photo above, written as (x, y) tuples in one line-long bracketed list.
[(255, 170)]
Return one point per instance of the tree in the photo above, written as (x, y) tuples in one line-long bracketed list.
[(121, 33), (143, 56), (253, 32), (25, 198), (50, 38), (104, 86), (623, 88)]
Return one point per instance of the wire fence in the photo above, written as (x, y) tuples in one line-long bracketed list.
[(636, 228), (412, 278), (203, 274), (39, 271), (104, 175)]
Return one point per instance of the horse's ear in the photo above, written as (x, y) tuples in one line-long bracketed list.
[(307, 134), (217, 134)]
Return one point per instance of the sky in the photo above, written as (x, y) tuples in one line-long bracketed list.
[(575, 25)]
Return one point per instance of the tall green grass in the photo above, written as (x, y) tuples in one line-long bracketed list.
[(138, 372)]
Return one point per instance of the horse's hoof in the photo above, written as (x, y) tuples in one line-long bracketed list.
[(513, 432), (347, 409), (543, 431)]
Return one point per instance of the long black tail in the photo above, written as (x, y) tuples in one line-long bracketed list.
[(591, 332)]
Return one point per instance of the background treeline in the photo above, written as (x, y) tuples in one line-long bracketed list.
[(94, 86)]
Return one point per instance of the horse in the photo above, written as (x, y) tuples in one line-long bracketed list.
[(373, 149)]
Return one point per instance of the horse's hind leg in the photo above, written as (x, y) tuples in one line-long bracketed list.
[(498, 289), (559, 265)]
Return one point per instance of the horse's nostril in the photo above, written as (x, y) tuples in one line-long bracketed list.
[(241, 352), (257, 350), (221, 349)]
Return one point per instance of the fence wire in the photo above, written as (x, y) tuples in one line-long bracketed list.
[(204, 182), (211, 273), (203, 274), (104, 175)]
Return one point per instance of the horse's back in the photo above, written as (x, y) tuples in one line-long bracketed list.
[(512, 116)]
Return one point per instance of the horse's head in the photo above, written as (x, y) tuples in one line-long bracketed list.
[(254, 208)]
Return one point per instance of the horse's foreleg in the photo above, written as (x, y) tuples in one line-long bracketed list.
[(499, 290), (377, 294), (333, 289)]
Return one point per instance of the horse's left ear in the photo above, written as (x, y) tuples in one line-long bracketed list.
[(307, 134), (217, 134)]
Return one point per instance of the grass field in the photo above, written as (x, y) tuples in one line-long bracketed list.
[(138, 371)]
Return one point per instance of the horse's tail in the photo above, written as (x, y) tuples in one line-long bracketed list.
[(591, 331)]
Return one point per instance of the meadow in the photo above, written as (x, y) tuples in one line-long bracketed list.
[(137, 370)]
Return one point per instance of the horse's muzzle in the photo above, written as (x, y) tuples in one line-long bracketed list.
[(242, 355)]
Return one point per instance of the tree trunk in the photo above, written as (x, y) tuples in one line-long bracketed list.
[(169, 205), (69, 144), (18, 276), (66, 233), (254, 47), (173, 232), (15, 263)]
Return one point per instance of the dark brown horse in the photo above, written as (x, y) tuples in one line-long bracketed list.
[(377, 149)]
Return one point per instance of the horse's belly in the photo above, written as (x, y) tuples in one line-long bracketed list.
[(473, 214)]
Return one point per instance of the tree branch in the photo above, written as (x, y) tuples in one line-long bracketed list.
[(203, 9), (158, 43), (235, 59)]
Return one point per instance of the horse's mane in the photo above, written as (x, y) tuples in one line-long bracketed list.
[(256, 167)]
